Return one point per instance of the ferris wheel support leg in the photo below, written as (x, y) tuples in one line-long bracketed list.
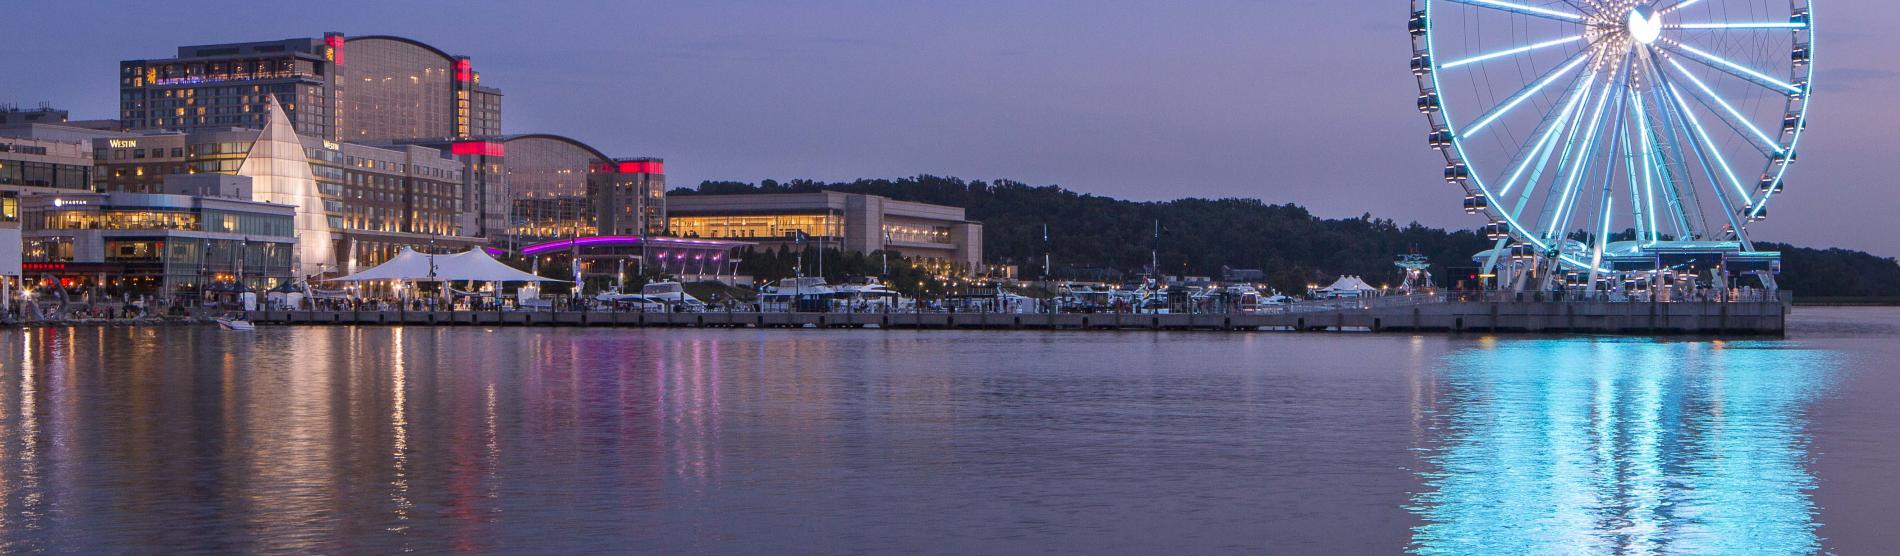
[(1767, 280)]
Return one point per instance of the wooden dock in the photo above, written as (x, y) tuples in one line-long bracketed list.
[(1765, 318)]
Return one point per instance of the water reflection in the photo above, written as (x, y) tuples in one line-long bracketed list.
[(1599, 447)]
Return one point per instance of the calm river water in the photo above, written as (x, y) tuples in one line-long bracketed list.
[(808, 441)]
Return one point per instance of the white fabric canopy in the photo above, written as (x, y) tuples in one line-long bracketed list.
[(1348, 284), (473, 264)]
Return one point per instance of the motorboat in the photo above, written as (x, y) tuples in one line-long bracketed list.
[(673, 294), (632, 301), (803, 293), (234, 324), (868, 294)]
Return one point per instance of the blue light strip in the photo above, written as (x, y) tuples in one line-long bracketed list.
[(1689, 115), (1736, 68), (1772, 143), (1800, 126), (1576, 172), (1511, 52), (1681, 6), (1561, 123), (1525, 94), (1728, 26), (1649, 163), (1523, 9)]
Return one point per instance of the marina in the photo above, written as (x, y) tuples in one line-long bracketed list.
[(1767, 317)]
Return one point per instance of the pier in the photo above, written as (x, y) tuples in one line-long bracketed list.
[(1750, 318)]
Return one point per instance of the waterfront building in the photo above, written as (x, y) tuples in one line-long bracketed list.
[(540, 187), (374, 200), (547, 179), (10, 244), (370, 88), (629, 197), (158, 244), (935, 235)]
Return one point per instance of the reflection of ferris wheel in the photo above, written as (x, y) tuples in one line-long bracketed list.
[(1593, 131)]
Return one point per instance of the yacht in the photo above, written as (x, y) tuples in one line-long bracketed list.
[(868, 294), (631, 301), (673, 294), (803, 293)]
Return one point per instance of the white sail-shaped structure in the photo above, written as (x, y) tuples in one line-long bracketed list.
[(280, 173)]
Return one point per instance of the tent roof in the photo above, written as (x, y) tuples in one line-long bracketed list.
[(469, 265), (475, 264), (1347, 284)]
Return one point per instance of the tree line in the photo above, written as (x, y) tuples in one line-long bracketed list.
[(1091, 236)]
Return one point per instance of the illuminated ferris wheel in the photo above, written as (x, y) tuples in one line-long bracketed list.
[(1593, 131)]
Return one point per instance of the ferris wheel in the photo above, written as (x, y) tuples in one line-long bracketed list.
[(1587, 130)]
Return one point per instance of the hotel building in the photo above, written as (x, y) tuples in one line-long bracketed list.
[(936, 235), (335, 88), (554, 187)]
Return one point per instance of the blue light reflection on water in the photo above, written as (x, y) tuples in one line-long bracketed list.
[(1615, 446)]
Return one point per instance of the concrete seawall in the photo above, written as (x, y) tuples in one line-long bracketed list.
[(1751, 318)]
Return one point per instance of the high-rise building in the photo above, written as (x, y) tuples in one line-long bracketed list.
[(629, 197), (371, 88)]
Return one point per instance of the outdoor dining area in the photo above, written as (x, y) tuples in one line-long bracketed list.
[(398, 284)]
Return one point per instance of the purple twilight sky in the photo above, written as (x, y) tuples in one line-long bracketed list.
[(1285, 100)]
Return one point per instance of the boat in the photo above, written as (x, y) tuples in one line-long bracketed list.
[(803, 293), (674, 295), (868, 294), (235, 324), (632, 301)]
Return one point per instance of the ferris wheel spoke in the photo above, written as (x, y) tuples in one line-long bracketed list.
[(1705, 151), (1675, 186), (1526, 93), (1567, 200), (1629, 169), (1677, 6), (1731, 68), (1703, 142), (1650, 171), (1606, 204), (1511, 52), (1540, 151), (1743, 26), (1569, 123), (1522, 9), (1734, 116)]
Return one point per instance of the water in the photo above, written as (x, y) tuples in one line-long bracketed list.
[(808, 441)]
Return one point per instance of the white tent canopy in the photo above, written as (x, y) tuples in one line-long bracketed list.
[(1348, 285), (473, 264)]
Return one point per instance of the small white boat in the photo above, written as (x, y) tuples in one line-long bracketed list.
[(235, 324)]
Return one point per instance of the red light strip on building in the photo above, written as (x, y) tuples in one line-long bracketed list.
[(335, 42), (643, 167), (462, 70), (484, 148)]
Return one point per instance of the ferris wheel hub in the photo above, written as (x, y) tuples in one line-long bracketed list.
[(1645, 26)]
